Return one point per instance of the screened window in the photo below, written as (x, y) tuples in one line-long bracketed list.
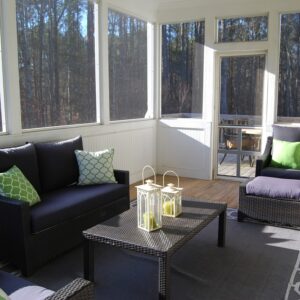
[(127, 37), (182, 69), (241, 94), (243, 29), (289, 69), (56, 62)]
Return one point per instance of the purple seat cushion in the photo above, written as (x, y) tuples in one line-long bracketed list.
[(57, 163), (70, 202), (274, 187)]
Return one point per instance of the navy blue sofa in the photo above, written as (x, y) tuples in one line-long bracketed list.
[(31, 236)]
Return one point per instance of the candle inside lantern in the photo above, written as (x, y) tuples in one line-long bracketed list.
[(168, 207), (149, 220)]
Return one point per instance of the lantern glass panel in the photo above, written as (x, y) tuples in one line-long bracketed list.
[(149, 207), (171, 201)]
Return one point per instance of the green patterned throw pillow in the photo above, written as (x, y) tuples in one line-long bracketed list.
[(13, 184), (95, 167), (3, 295)]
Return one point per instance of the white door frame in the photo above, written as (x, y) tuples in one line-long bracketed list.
[(215, 127)]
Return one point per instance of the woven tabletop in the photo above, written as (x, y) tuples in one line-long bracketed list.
[(122, 231)]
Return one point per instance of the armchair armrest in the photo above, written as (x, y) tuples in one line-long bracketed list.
[(78, 289), (122, 176), (265, 158)]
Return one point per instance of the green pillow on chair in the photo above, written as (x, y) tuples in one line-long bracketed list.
[(13, 184), (286, 154), (95, 167)]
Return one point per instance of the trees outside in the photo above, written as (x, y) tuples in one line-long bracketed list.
[(182, 69), (242, 79), (56, 62), (127, 38), (289, 68), (243, 29)]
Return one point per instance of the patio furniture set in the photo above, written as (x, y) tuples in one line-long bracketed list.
[(272, 196), (33, 234)]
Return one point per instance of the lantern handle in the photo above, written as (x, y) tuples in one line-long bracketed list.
[(170, 171), (148, 166)]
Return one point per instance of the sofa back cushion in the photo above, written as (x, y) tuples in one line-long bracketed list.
[(25, 158), (286, 133), (57, 163)]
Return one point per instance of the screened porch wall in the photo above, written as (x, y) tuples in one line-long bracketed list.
[(149, 141), (209, 11)]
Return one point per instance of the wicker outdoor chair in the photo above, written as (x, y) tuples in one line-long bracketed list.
[(277, 211)]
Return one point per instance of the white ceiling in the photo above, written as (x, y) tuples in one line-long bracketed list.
[(182, 3)]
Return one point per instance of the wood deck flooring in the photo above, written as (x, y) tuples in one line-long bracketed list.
[(211, 190)]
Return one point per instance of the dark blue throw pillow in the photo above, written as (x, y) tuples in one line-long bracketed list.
[(24, 157), (57, 163)]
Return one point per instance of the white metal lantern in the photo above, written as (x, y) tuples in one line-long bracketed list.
[(149, 214), (171, 198)]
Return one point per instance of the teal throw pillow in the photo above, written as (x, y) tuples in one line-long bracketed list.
[(13, 184), (285, 154), (95, 167)]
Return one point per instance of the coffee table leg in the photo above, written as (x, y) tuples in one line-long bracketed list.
[(164, 277), (88, 260), (222, 229)]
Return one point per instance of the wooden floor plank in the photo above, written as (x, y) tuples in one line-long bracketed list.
[(217, 190)]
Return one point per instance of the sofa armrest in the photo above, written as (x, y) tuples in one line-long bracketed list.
[(263, 160), (78, 289), (14, 214), (122, 176)]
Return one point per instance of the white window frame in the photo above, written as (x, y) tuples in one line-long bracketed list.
[(215, 128)]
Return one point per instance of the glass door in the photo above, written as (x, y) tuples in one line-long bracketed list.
[(240, 114)]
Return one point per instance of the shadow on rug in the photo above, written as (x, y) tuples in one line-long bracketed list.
[(258, 262)]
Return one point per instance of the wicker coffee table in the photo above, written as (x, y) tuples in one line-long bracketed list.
[(122, 231)]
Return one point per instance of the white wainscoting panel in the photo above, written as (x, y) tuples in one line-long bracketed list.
[(184, 147), (134, 142), (133, 149)]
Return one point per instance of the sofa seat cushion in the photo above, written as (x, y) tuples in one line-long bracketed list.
[(18, 288), (70, 202), (10, 283), (280, 173), (32, 292), (272, 187)]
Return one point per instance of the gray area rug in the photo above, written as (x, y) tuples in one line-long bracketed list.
[(258, 262)]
